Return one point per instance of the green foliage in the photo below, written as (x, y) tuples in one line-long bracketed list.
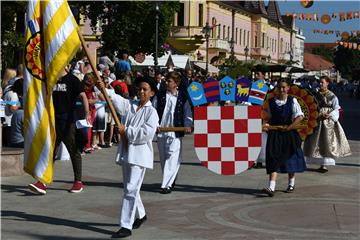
[(235, 68), (130, 25), (327, 53), (347, 61), (12, 32)]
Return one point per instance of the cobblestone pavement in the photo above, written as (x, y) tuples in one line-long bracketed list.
[(203, 206)]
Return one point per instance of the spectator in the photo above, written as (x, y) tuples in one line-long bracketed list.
[(65, 93)]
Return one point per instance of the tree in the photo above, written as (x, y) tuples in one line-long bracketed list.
[(12, 32), (347, 61), (130, 25), (235, 68), (327, 53)]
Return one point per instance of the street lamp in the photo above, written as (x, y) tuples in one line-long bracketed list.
[(157, 11), (246, 50), (268, 58), (206, 30)]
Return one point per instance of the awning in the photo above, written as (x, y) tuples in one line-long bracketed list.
[(181, 61), (211, 68)]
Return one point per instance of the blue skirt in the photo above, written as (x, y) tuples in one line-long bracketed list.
[(295, 164)]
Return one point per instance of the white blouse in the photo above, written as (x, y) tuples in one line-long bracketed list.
[(140, 128)]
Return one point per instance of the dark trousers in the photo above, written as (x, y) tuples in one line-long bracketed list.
[(66, 133)]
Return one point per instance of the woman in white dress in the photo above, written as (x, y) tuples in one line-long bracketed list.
[(328, 141)]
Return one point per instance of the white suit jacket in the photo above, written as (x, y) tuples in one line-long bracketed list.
[(140, 128)]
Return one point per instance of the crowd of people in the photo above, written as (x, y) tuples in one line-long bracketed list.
[(150, 99)]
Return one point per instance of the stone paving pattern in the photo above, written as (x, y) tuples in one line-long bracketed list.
[(203, 206)]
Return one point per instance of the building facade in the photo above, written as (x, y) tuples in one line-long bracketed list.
[(246, 29)]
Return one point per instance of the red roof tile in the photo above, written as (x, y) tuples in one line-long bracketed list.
[(314, 62)]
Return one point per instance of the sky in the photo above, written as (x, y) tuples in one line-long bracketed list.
[(322, 7)]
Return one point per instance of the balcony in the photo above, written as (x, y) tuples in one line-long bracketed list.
[(259, 52), (185, 31), (219, 44)]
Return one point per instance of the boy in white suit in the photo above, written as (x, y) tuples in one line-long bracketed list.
[(140, 121), (174, 110)]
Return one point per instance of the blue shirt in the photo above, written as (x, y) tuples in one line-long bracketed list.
[(123, 66)]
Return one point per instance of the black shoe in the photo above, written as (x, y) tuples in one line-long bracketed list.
[(103, 145), (138, 222), (173, 185), (269, 192), (258, 165), (122, 233), (323, 170), (165, 190), (290, 189)]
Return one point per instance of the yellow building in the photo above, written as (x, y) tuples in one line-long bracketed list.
[(247, 29)]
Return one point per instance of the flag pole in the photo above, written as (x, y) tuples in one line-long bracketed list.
[(102, 89)]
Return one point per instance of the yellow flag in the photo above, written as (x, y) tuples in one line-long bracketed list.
[(51, 42)]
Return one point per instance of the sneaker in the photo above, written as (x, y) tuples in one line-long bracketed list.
[(77, 187), (103, 145), (38, 187)]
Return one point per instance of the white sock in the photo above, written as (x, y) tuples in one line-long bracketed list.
[(272, 185), (292, 181)]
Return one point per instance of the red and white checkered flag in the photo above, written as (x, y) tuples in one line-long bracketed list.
[(227, 139)]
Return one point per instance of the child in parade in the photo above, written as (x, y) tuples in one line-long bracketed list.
[(283, 148), (140, 121), (328, 141), (174, 110)]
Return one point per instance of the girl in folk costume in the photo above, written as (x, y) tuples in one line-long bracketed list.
[(140, 121), (283, 148), (174, 111), (328, 141)]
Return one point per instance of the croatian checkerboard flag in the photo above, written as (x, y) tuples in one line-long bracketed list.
[(211, 88), (243, 86), (227, 89), (227, 139), (258, 92)]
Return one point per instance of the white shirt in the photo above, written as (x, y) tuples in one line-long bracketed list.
[(334, 114), (140, 128), (12, 97), (167, 119), (296, 109)]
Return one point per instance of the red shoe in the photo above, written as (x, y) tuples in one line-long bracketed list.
[(38, 187), (77, 187)]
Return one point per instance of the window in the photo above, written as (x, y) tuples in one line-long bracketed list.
[(201, 14), (263, 40), (228, 34), (180, 15), (224, 32), (275, 46), (267, 42), (244, 43), (219, 34), (240, 36), (236, 36), (255, 40), (248, 38)]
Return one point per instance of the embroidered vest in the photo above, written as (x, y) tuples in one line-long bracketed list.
[(179, 109)]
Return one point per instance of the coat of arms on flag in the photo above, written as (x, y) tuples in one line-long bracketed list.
[(227, 139)]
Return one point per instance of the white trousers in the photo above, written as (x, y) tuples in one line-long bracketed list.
[(132, 205), (170, 159)]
